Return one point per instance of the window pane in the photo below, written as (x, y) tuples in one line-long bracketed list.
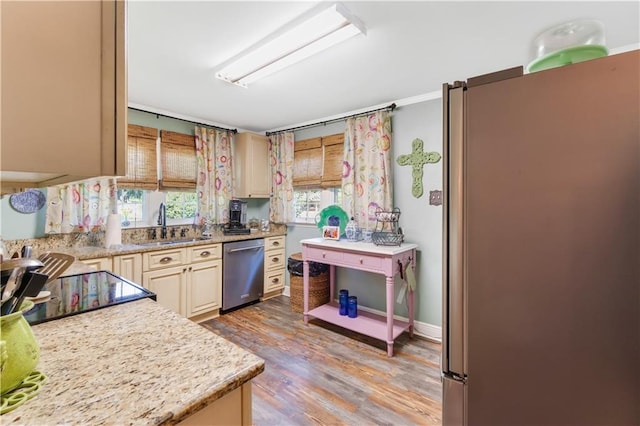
[(130, 206), (181, 205), (309, 202)]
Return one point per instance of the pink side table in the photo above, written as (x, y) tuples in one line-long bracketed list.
[(385, 260)]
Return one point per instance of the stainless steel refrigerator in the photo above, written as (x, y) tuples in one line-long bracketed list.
[(541, 294)]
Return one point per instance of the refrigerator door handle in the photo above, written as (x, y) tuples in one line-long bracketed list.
[(444, 353), (456, 291)]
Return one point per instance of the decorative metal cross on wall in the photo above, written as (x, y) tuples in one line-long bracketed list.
[(417, 159)]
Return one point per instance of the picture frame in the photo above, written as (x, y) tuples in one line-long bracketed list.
[(331, 232)]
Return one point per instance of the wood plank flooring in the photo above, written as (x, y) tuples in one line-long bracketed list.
[(322, 374)]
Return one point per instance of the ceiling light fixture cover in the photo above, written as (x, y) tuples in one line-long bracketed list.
[(303, 38)]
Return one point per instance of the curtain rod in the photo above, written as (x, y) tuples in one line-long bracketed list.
[(333, 120), (157, 114)]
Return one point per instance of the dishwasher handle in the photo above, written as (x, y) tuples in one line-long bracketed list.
[(244, 249)]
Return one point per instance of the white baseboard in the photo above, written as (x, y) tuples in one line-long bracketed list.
[(423, 329)]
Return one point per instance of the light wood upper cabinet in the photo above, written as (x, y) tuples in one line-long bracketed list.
[(64, 95), (251, 166)]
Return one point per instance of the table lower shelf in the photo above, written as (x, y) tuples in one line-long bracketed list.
[(367, 323)]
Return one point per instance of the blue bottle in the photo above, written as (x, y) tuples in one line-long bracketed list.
[(352, 306), (344, 297)]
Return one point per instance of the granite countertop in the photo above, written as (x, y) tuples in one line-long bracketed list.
[(137, 363), (83, 252)]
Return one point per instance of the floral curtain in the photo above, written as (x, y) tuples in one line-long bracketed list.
[(281, 153), (367, 174), (81, 206), (215, 174)]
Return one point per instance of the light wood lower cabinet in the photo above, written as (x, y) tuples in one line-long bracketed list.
[(232, 409), (274, 266), (187, 280), (99, 263), (204, 292), (129, 266), (169, 286)]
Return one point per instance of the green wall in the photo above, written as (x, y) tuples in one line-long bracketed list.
[(15, 225)]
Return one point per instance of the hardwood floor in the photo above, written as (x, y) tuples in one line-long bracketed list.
[(322, 374)]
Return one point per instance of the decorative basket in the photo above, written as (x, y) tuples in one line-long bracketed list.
[(318, 289), (387, 231), (387, 238)]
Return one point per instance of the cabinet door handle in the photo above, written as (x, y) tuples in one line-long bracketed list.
[(275, 259), (205, 253), (276, 243), (166, 259), (275, 280)]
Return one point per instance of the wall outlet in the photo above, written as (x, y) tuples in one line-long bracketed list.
[(435, 198)]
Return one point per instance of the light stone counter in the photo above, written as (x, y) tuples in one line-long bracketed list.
[(136, 364), (136, 242)]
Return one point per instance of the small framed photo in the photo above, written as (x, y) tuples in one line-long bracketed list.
[(331, 232)]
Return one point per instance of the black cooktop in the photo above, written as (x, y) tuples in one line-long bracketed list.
[(76, 294)]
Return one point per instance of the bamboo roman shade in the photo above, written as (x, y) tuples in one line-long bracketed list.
[(307, 162), (142, 163), (178, 163), (318, 161), (333, 154)]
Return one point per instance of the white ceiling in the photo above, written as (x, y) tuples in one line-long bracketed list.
[(410, 49)]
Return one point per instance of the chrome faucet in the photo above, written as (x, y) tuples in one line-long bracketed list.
[(162, 220)]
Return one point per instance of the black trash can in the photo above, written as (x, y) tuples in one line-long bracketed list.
[(318, 283)]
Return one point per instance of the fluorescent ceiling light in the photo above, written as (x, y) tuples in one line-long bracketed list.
[(327, 28)]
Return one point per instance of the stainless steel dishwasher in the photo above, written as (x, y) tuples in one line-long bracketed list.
[(242, 273)]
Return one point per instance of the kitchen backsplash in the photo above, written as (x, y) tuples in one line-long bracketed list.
[(96, 239)]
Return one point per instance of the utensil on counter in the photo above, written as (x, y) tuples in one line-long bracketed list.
[(15, 268), (55, 264), (26, 252), (31, 284)]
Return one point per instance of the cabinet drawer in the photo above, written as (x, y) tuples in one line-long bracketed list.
[(272, 243), (273, 280), (274, 259), (164, 259), (318, 255), (204, 253), (100, 263), (362, 260)]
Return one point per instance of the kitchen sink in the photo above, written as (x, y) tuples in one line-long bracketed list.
[(171, 242)]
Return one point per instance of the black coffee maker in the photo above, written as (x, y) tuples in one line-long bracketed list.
[(237, 218)]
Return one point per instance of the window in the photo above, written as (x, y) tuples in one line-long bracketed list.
[(139, 208), (317, 174), (131, 207), (138, 197), (308, 203)]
